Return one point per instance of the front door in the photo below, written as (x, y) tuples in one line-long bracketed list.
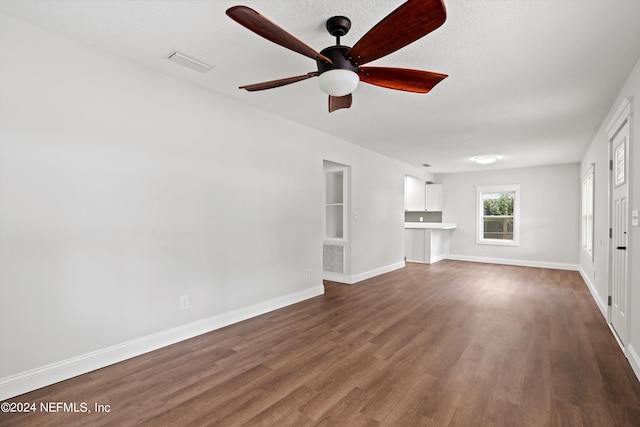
[(619, 232)]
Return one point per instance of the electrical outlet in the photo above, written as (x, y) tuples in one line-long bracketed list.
[(486, 249), (184, 302), (310, 273)]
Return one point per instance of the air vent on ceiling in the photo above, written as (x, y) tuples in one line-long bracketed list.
[(189, 62)]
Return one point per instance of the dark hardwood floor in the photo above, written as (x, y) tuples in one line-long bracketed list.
[(448, 344)]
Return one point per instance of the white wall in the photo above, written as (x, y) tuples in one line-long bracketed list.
[(549, 205), (596, 272), (122, 189)]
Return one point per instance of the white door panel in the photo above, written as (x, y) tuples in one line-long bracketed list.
[(619, 232)]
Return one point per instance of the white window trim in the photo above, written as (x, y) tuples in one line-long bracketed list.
[(587, 192), (511, 188)]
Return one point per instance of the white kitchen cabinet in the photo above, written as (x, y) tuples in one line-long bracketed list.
[(433, 197), (414, 194)]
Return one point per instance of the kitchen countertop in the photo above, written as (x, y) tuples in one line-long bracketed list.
[(431, 225)]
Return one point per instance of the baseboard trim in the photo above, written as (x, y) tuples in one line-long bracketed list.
[(517, 262), (351, 279), (594, 294), (33, 379), (617, 338), (438, 258), (376, 272), (630, 352), (431, 261), (634, 360), (336, 277)]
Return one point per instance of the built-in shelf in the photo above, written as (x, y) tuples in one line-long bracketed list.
[(335, 224), (334, 204), (336, 215)]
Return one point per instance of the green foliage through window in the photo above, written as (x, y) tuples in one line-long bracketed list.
[(498, 204)]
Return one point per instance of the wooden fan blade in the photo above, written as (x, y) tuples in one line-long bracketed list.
[(338, 102), (262, 26), (401, 78), (277, 83), (411, 21)]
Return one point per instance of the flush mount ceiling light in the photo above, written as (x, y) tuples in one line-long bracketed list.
[(485, 160)]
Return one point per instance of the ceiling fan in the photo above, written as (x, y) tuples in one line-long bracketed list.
[(340, 68)]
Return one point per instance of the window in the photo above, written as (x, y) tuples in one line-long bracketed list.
[(586, 212), (498, 208)]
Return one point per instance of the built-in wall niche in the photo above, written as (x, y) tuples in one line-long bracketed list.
[(334, 204), (336, 216)]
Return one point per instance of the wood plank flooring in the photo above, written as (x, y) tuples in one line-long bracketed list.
[(448, 344)]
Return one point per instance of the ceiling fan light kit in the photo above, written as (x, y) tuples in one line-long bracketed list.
[(340, 77), (340, 68), (338, 82)]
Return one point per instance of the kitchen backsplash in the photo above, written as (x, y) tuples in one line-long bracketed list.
[(426, 216)]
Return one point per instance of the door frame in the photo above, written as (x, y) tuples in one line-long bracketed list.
[(622, 117)]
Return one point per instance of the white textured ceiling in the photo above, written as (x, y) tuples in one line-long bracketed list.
[(530, 80)]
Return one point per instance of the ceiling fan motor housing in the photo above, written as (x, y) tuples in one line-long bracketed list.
[(337, 54)]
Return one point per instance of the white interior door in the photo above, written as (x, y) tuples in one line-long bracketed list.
[(619, 231)]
